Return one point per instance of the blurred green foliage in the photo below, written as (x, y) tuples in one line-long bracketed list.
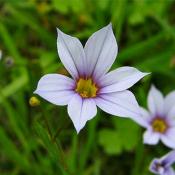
[(41, 140)]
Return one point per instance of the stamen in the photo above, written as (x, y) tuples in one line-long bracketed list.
[(159, 125), (86, 88)]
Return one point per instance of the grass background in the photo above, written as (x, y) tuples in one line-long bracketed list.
[(41, 140)]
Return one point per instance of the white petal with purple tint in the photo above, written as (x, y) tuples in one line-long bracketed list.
[(150, 137), (169, 138), (163, 165), (55, 88), (154, 168), (144, 118), (120, 79), (121, 104), (158, 166), (81, 110), (168, 159), (169, 101), (171, 113), (71, 53), (169, 171), (156, 102), (145, 114), (101, 50), (88, 67)]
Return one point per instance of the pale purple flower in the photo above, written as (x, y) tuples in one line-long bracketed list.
[(163, 165), (160, 119), (91, 85)]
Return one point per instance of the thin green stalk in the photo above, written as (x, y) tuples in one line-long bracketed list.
[(138, 158)]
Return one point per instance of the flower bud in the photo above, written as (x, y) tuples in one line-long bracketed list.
[(34, 101)]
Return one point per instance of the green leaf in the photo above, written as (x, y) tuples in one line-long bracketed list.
[(110, 141), (11, 151), (128, 132), (123, 137)]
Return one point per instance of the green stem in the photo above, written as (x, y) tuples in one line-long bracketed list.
[(138, 158), (54, 141)]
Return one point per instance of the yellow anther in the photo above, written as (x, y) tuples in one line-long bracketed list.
[(86, 88), (159, 125)]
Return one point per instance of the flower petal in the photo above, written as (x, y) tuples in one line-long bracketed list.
[(121, 104), (101, 50), (169, 101), (171, 113), (150, 137), (156, 102), (81, 110), (162, 165), (125, 77), (71, 53), (168, 159), (168, 138), (156, 167), (145, 114), (55, 88), (169, 171), (144, 119)]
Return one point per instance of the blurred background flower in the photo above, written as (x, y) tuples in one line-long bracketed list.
[(159, 119), (31, 138), (163, 165)]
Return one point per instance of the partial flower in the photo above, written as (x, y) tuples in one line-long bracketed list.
[(91, 85), (163, 165), (159, 120)]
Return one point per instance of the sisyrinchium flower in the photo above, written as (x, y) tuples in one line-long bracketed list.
[(91, 85), (163, 165), (160, 119)]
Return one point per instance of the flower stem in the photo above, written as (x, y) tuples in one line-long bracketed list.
[(138, 158), (54, 141)]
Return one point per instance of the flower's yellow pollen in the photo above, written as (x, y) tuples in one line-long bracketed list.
[(34, 102), (159, 125), (86, 88)]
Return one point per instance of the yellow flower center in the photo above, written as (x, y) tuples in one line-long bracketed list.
[(159, 125), (86, 88)]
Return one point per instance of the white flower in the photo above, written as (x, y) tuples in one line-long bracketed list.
[(91, 85), (160, 119)]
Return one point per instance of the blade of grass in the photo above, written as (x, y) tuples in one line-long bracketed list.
[(12, 152)]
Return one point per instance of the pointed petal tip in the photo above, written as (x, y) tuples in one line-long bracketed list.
[(59, 32), (35, 92), (110, 24), (78, 130), (147, 73), (153, 86)]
